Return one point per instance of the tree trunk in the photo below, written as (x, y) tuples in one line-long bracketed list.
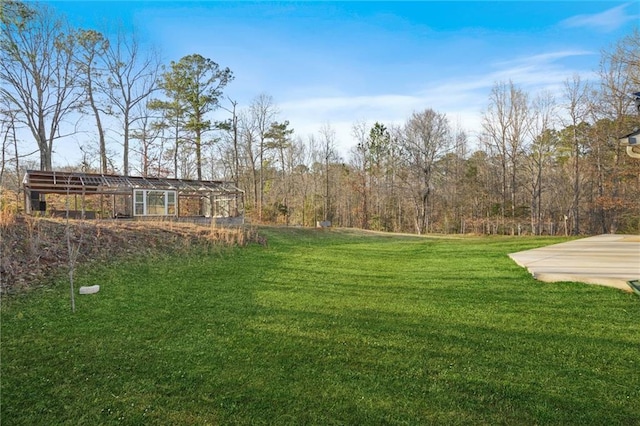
[(198, 143), (102, 144), (125, 147)]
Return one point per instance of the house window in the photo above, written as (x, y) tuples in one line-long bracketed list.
[(150, 202)]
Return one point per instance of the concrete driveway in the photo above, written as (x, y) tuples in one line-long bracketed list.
[(609, 260)]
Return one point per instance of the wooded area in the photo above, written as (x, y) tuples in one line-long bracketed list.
[(544, 163)]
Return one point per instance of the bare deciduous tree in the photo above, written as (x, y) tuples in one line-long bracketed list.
[(150, 152), (132, 78), (360, 162), (328, 155), (614, 113), (505, 126), (426, 138), (38, 74), (577, 105), (544, 144), (263, 112), (89, 59)]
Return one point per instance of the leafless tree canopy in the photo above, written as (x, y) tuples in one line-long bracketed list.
[(543, 164)]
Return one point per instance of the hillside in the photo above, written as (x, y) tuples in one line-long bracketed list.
[(33, 251)]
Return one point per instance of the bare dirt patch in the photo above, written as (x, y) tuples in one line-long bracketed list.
[(33, 251)]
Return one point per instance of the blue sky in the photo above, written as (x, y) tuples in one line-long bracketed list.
[(342, 62)]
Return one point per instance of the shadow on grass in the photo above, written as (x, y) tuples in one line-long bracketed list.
[(323, 329)]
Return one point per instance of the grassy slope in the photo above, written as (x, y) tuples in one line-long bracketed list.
[(325, 328)]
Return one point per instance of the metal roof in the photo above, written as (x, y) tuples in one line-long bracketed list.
[(53, 182)]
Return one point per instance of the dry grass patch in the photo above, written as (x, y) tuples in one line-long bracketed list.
[(34, 250)]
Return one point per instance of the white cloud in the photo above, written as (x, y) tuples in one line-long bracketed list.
[(609, 20), (461, 98), (308, 115)]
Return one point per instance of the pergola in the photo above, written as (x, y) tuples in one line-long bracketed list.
[(147, 196)]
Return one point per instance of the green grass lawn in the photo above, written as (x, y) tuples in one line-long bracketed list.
[(324, 327)]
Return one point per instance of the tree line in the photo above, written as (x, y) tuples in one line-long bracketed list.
[(542, 163)]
